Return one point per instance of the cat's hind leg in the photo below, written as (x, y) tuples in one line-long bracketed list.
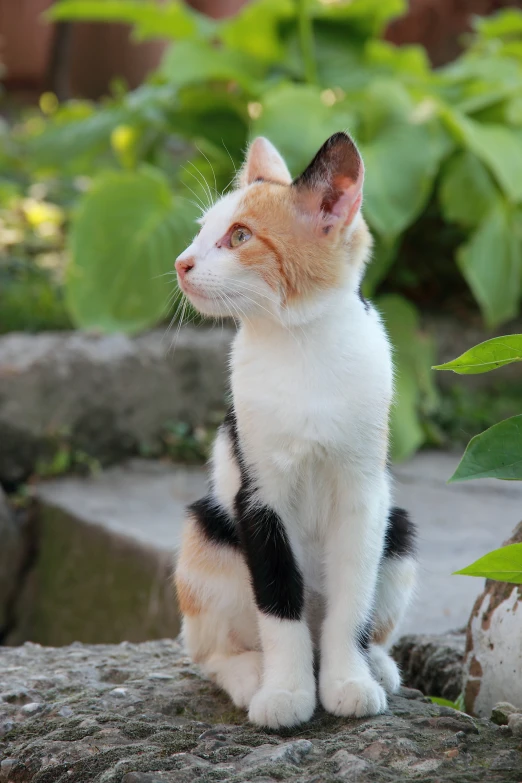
[(395, 588), (216, 600)]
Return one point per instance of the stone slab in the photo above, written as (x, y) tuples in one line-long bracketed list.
[(12, 549), (142, 714), (107, 396), (143, 502), (110, 396)]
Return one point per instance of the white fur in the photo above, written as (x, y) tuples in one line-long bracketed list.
[(312, 386)]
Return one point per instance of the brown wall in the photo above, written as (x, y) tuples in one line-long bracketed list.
[(99, 52)]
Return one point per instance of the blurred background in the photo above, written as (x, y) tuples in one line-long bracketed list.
[(119, 121)]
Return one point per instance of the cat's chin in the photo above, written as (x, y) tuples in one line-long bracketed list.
[(205, 304)]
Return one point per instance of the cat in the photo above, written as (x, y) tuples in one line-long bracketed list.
[(296, 552)]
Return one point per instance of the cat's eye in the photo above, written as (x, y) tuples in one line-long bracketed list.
[(239, 235)]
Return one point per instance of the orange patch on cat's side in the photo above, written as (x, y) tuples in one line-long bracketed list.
[(381, 634)]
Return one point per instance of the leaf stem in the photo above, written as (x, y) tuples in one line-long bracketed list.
[(306, 40)]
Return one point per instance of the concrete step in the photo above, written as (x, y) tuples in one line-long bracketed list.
[(106, 547)]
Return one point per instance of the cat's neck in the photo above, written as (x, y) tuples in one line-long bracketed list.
[(307, 323)]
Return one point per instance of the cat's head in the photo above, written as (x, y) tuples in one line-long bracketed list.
[(279, 247)]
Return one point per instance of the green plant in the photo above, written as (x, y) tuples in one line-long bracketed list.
[(495, 453), (446, 140)]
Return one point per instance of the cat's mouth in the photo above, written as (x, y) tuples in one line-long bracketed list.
[(193, 292)]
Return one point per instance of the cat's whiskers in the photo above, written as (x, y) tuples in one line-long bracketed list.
[(205, 183), (211, 168), (204, 207)]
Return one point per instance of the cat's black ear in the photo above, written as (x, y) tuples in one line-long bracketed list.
[(332, 184), (263, 163)]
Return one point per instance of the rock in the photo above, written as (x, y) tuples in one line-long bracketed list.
[(501, 712), (106, 542), (108, 396), (11, 555), (508, 760), (180, 729), (515, 724), (493, 660), (433, 664)]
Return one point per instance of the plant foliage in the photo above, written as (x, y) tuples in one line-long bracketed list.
[(495, 453), (295, 71)]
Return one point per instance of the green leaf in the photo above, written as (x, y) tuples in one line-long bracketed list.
[(495, 453), (467, 192), (491, 262), (487, 356), (187, 62), (400, 164), (502, 565), (413, 385), (171, 19), (506, 23), (255, 29), (384, 255), (500, 148), (297, 121), (126, 235)]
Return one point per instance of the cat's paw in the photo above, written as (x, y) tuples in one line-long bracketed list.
[(275, 708), (354, 698), (248, 672), (385, 670)]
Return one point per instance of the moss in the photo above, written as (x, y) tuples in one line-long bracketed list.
[(115, 589)]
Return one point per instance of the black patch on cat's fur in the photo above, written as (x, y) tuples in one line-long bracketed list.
[(276, 579), (363, 299), (401, 535), (214, 522)]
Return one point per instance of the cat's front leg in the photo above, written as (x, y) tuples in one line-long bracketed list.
[(287, 695), (354, 550)]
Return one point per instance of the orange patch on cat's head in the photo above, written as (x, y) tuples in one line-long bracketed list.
[(306, 234)]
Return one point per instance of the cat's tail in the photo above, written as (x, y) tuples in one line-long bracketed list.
[(395, 589)]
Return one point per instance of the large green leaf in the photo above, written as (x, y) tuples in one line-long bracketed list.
[(413, 384), (171, 19), (500, 148), (400, 164), (187, 62), (487, 356), (126, 235), (502, 565), (495, 453), (491, 262), (467, 192), (255, 30), (297, 121)]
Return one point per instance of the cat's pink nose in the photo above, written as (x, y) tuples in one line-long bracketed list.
[(184, 265)]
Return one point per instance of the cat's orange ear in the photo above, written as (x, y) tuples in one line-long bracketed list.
[(263, 162), (331, 186)]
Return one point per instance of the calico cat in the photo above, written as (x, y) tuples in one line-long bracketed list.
[(296, 549)]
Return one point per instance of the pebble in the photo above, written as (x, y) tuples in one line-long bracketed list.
[(160, 676), (501, 712), (5, 727), (66, 712), (121, 692), (507, 759), (6, 766), (515, 724), (286, 752), (349, 765), (32, 708)]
